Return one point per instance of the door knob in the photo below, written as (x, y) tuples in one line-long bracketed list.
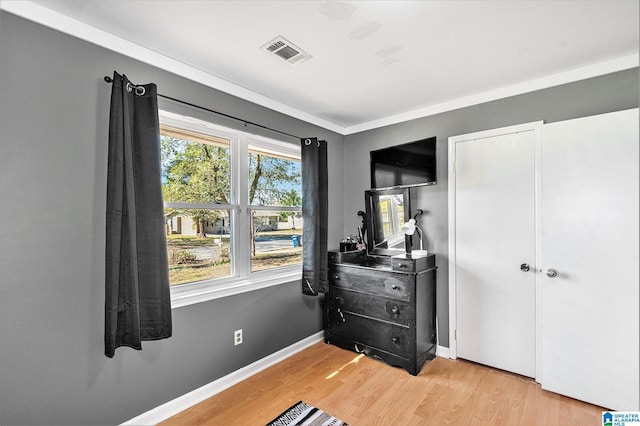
[(524, 267), (552, 273)]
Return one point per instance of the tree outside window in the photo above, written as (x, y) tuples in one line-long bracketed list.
[(202, 214), (274, 193)]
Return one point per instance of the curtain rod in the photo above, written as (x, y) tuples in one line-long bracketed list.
[(110, 80)]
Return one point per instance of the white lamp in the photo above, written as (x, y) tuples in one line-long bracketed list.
[(409, 228)]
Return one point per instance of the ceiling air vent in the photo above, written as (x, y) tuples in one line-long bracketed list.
[(285, 50)]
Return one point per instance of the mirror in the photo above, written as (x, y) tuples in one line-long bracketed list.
[(387, 211)]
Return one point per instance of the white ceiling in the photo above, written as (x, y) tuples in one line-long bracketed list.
[(373, 62)]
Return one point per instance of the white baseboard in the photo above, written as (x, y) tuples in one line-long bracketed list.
[(183, 402), (442, 351), (175, 406)]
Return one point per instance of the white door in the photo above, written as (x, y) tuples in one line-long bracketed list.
[(494, 231), (589, 235)]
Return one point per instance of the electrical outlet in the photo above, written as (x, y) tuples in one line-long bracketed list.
[(237, 337)]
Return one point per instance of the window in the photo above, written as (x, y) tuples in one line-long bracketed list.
[(232, 208), (274, 198)]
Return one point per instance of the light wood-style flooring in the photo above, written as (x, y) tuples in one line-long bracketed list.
[(363, 391)]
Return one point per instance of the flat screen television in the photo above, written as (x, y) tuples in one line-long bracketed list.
[(409, 164)]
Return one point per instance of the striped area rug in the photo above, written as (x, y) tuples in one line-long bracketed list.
[(303, 414)]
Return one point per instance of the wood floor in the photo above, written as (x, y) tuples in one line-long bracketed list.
[(363, 391)]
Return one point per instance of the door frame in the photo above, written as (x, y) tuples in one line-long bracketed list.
[(536, 128)]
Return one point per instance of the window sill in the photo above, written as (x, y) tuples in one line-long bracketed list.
[(202, 291)]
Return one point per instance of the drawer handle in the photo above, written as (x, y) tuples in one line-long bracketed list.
[(395, 340), (395, 287), (336, 277), (395, 311), (341, 316), (402, 265)]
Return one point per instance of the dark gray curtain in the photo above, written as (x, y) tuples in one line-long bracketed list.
[(137, 297), (315, 275)]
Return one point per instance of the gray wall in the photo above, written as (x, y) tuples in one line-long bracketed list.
[(599, 95), (54, 109), (53, 130)]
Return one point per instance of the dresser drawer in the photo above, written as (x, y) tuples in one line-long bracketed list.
[(371, 305), (383, 283), (412, 264), (392, 338)]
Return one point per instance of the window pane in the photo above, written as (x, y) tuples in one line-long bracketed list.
[(195, 170), (274, 180), (197, 159), (276, 239), (198, 244)]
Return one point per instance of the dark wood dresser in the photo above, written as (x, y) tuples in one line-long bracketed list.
[(383, 307)]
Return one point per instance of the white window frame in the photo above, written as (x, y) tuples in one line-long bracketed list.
[(242, 279)]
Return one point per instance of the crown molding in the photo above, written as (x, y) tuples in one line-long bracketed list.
[(57, 21), (49, 18), (595, 70)]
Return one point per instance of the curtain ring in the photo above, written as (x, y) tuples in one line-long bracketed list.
[(138, 90), (307, 141)]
